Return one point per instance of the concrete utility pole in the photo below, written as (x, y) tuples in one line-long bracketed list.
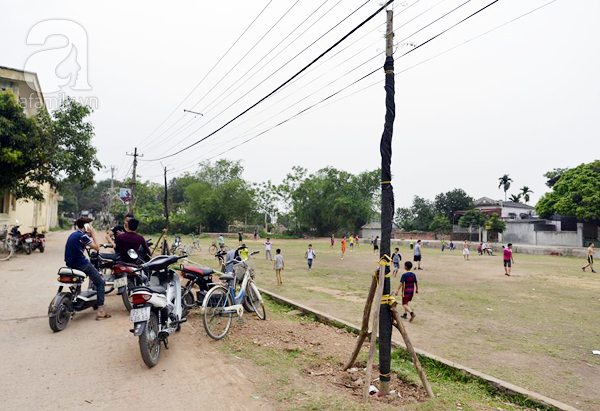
[(135, 155)]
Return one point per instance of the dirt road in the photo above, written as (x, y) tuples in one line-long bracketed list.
[(94, 365)]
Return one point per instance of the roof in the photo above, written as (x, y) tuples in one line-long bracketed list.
[(485, 201), (372, 224), (516, 205)]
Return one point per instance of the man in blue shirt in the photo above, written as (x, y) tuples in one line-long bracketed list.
[(85, 236)]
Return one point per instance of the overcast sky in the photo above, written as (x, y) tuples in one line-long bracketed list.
[(520, 100)]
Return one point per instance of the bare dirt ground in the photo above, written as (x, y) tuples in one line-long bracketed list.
[(96, 365), (536, 329)]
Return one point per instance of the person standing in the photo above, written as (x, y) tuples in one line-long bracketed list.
[(268, 244), (508, 259), (443, 245), (351, 241), (466, 251), (343, 241), (375, 244), (409, 286), (417, 256), (332, 241), (396, 258), (85, 236), (310, 255), (590, 258), (279, 266), (412, 243), (356, 240), (255, 234), (240, 238), (372, 239)]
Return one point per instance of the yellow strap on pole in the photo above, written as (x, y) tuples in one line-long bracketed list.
[(388, 299)]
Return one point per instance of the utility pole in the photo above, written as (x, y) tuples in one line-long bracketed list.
[(135, 155), (112, 177), (387, 211), (166, 200)]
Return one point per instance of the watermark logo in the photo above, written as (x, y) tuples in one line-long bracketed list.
[(59, 66)]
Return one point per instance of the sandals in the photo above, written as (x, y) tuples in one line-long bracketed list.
[(103, 317)]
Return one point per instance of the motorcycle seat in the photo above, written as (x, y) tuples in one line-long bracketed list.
[(110, 256), (197, 270), (159, 289), (227, 277), (71, 271)]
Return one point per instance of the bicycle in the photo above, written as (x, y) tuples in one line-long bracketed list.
[(221, 302), (215, 247), (7, 247), (196, 243)]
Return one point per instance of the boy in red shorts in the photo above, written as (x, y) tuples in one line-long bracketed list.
[(409, 286), (508, 259)]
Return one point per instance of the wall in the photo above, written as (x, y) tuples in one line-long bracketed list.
[(523, 233), (401, 235)]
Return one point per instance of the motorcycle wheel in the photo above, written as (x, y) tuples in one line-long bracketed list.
[(125, 296), (63, 314), (41, 248), (150, 343), (187, 302), (27, 248)]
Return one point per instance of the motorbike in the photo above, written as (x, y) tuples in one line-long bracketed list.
[(156, 307), (38, 240), (65, 304), (134, 277), (200, 276), (21, 242)]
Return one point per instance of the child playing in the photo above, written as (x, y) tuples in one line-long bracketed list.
[(332, 241), (396, 258), (278, 265), (268, 244), (310, 255), (590, 258), (508, 259), (409, 286), (343, 246), (356, 240), (351, 241)]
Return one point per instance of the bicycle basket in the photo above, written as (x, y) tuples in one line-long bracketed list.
[(250, 264), (239, 270)]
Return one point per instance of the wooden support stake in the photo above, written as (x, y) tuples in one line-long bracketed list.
[(398, 324), (378, 296), (364, 330)]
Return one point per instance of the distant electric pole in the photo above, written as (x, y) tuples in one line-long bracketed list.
[(166, 200), (135, 155), (112, 177)]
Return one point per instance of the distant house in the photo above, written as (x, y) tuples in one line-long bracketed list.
[(374, 229), (506, 210), (41, 214)]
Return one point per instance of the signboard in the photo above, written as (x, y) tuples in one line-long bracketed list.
[(125, 195)]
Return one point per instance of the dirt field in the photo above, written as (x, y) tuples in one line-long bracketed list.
[(535, 329)]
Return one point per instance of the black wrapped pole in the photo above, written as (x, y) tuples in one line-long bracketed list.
[(387, 212)]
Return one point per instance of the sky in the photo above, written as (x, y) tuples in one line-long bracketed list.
[(470, 105)]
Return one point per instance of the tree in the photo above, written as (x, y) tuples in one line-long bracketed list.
[(495, 224), (452, 201), (525, 191), (440, 224), (44, 149), (554, 175), (515, 198), (472, 218), (219, 196), (505, 181), (575, 193), (331, 200), (418, 217)]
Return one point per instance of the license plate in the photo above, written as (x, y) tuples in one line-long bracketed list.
[(139, 314), (120, 282), (29, 240)]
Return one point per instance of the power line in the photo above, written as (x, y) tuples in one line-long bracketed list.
[(210, 71), (373, 72), (284, 83), (289, 61)]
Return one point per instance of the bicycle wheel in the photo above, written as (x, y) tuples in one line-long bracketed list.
[(6, 249), (212, 250), (258, 304), (216, 321), (226, 248)]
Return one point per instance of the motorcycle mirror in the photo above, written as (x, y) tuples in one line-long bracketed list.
[(17, 222), (132, 254)]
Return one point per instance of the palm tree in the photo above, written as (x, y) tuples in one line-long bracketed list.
[(505, 183), (525, 191), (515, 198)]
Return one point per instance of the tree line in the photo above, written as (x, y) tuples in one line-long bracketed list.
[(216, 197)]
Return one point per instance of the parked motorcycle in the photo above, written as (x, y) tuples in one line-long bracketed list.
[(156, 312), (200, 276), (21, 242), (65, 304), (39, 240)]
